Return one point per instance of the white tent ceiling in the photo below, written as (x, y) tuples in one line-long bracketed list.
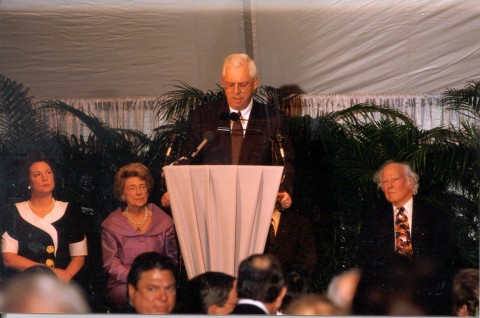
[(98, 48)]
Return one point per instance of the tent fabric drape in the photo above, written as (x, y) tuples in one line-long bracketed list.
[(99, 48), (139, 113)]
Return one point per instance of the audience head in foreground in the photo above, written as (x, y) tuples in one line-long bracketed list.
[(212, 293), (261, 285), (152, 284), (313, 305), (43, 293), (465, 297), (297, 285), (342, 287), (406, 288)]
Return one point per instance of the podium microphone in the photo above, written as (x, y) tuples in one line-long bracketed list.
[(280, 145), (171, 142), (282, 152), (208, 136)]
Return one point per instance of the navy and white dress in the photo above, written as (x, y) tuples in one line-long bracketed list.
[(51, 240)]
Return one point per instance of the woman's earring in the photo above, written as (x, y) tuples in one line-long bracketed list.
[(29, 188)]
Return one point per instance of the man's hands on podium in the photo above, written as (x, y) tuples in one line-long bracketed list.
[(284, 201)]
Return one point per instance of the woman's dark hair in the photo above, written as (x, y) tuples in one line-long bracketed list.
[(33, 158)]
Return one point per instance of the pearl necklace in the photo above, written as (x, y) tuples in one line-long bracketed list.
[(135, 225), (42, 213)]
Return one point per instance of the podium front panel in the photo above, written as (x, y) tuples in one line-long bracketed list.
[(221, 212)]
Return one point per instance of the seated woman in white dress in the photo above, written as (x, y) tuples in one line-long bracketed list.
[(42, 230)]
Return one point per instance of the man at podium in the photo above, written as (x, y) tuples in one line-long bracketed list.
[(240, 130), (243, 134)]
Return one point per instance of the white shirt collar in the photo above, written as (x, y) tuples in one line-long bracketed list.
[(256, 303), (245, 112)]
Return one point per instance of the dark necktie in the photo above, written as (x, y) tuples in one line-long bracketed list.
[(271, 238), (403, 244), (237, 138)]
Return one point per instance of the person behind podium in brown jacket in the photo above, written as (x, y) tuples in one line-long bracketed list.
[(293, 242), (264, 138), (134, 229)]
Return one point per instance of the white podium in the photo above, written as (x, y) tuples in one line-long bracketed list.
[(221, 212)]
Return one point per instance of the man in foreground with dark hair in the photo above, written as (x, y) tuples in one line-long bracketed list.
[(465, 298), (261, 285), (152, 284), (212, 293)]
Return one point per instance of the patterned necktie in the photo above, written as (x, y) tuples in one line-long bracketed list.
[(237, 138), (403, 244)]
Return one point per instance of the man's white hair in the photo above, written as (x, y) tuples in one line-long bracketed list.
[(412, 177), (238, 60)]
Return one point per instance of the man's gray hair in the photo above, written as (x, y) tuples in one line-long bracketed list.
[(346, 281), (412, 177), (43, 293), (240, 59)]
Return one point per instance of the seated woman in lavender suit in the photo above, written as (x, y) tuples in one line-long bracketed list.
[(137, 228)]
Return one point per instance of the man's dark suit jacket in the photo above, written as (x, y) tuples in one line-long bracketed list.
[(432, 259), (429, 236), (248, 309), (294, 244), (259, 146)]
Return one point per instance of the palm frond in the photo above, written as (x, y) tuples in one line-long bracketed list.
[(466, 100), (180, 102), (21, 127), (363, 113), (117, 142)]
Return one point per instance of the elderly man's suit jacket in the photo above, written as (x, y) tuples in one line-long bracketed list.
[(260, 145), (432, 261), (429, 236)]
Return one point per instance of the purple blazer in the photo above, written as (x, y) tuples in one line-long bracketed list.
[(121, 244)]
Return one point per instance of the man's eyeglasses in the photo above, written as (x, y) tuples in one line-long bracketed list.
[(230, 87)]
